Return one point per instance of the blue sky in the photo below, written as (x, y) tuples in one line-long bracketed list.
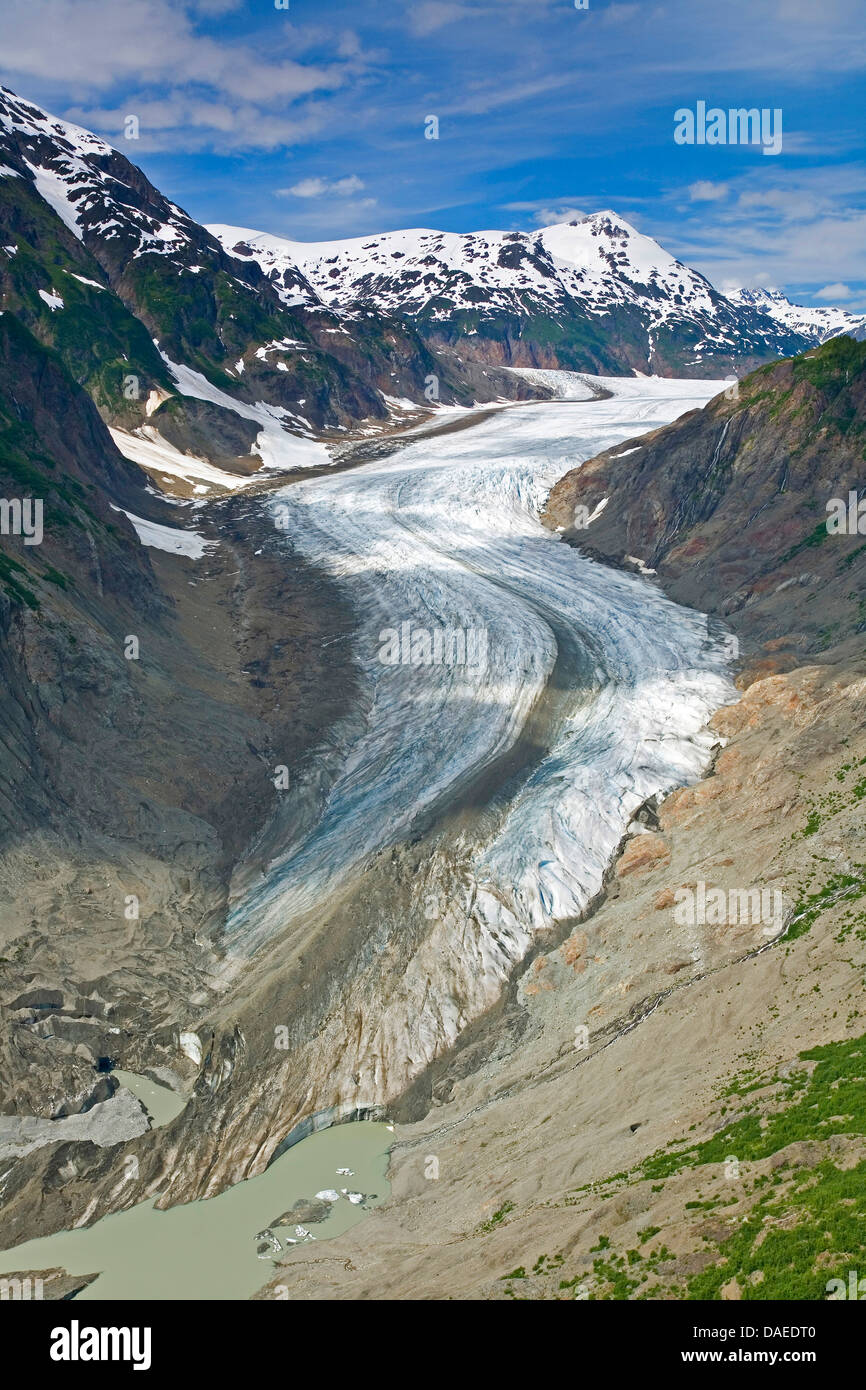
[(309, 121)]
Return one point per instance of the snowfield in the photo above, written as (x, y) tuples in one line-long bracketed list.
[(445, 535), (602, 259), (169, 538)]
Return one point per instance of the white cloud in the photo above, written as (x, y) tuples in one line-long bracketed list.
[(485, 97), (431, 15), (216, 7), (834, 292), (178, 121), (320, 188), (248, 93), (547, 217), (788, 232), (705, 191)]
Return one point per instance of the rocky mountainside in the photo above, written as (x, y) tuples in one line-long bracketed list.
[(729, 505), (148, 690), (706, 1137), (594, 295), (173, 338)]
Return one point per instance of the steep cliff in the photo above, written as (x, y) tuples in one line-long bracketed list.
[(733, 505)]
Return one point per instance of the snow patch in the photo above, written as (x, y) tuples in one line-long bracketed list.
[(190, 1045), (84, 280), (277, 448), (169, 538), (149, 450), (52, 300)]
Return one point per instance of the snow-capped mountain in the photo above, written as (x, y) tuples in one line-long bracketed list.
[(222, 327), (168, 333), (818, 323), (602, 260), (592, 294), (83, 179)]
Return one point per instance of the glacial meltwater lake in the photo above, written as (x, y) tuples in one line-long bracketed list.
[(207, 1249)]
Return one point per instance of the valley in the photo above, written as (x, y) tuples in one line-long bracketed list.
[(416, 621), (436, 835)]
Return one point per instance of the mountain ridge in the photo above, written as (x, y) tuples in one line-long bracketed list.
[(222, 347), (729, 505), (123, 283), (825, 322), (593, 294)]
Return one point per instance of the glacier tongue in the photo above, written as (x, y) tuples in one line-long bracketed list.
[(446, 534)]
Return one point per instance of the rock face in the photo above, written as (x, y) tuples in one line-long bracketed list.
[(730, 505), (144, 711)]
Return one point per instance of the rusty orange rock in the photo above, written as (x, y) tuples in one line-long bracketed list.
[(573, 950), (641, 853)]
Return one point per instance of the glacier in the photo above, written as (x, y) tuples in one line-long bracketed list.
[(616, 681)]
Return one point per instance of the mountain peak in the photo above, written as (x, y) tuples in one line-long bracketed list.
[(814, 322), (25, 117), (558, 296), (591, 294), (91, 186)]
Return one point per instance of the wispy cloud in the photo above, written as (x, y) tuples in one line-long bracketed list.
[(705, 191), (246, 92), (431, 15), (546, 217), (545, 110), (319, 188), (784, 234)]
